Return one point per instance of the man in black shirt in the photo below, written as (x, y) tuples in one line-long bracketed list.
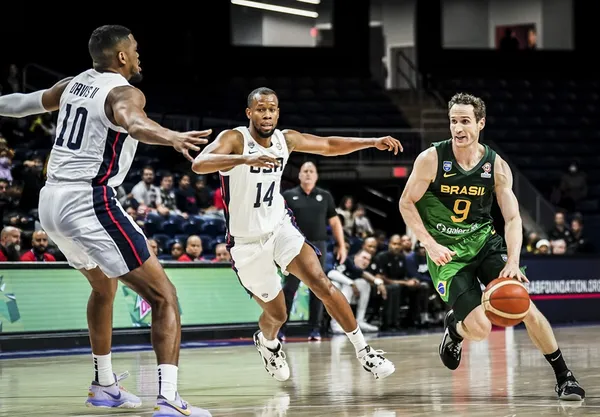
[(313, 209), (391, 266), (560, 229)]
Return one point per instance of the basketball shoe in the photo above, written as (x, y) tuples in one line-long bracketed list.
[(112, 396), (451, 346), (374, 362), (568, 389), (177, 408), (274, 359)]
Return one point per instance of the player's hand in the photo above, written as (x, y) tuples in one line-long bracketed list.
[(440, 255), (390, 144), (512, 270), (381, 290), (185, 142), (342, 254), (262, 161)]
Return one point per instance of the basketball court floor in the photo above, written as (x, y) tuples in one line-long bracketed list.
[(504, 376)]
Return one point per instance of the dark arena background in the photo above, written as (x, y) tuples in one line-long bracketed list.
[(351, 68)]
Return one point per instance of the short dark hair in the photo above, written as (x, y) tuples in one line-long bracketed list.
[(261, 91), (466, 99), (103, 40)]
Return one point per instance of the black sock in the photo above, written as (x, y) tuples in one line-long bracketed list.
[(557, 362), (453, 330)]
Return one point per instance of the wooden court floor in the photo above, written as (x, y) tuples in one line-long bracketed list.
[(504, 376)]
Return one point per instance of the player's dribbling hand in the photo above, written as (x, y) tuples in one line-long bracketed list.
[(512, 270), (388, 143), (262, 161), (440, 255), (186, 141), (342, 255)]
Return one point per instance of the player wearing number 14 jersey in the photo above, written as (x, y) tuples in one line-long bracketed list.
[(447, 203), (100, 121), (261, 231)]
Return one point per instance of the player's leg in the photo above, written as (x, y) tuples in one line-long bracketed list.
[(289, 291), (253, 264), (295, 256), (457, 286), (104, 391), (537, 325), (117, 244)]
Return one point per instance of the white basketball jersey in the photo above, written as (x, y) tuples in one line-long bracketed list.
[(254, 204), (88, 147)]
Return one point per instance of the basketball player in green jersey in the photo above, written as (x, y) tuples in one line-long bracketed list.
[(447, 203)]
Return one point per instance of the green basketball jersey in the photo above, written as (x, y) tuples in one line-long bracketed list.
[(456, 208)]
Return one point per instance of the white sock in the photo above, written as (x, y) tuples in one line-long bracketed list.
[(167, 381), (103, 373), (271, 344), (357, 339)]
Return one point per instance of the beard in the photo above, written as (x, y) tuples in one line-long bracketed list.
[(136, 77), (264, 134)]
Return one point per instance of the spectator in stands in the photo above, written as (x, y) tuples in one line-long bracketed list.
[(5, 201), (6, 157), (416, 266), (33, 181), (532, 239), (407, 245), (345, 210), (222, 254), (13, 80), (193, 250), (391, 266), (370, 245), (154, 246), (573, 188), (559, 247), (177, 251), (185, 196), (355, 283), (137, 216), (578, 242), (167, 204), (543, 247), (218, 203), (531, 39), (560, 229), (204, 198), (39, 249), (10, 244), (362, 224), (381, 240), (145, 192)]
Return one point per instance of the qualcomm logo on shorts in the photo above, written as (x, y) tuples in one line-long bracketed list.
[(455, 230)]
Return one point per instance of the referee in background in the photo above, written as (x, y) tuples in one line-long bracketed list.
[(313, 209)]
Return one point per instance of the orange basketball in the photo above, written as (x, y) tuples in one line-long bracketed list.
[(505, 302)]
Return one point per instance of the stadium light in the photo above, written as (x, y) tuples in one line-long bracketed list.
[(310, 1), (273, 8)]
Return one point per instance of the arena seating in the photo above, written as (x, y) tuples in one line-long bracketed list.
[(542, 125)]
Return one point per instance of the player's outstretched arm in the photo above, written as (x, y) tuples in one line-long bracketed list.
[(423, 173), (337, 145), (41, 101), (125, 107), (226, 152), (513, 225)]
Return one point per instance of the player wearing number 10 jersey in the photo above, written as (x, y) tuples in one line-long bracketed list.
[(261, 231), (92, 153)]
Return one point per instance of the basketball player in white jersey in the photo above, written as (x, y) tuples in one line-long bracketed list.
[(261, 230), (101, 119)]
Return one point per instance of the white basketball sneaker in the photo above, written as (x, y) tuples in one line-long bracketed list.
[(274, 359), (373, 361)]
